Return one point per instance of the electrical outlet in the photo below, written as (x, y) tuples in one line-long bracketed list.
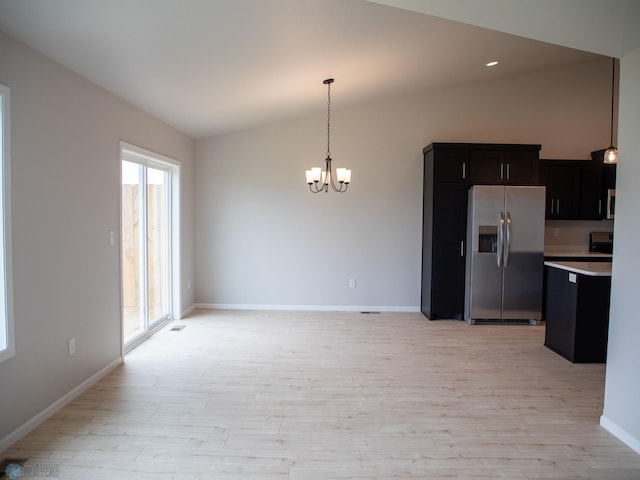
[(556, 232), (72, 346), (188, 283), (352, 283)]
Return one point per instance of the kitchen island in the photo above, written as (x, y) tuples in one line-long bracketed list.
[(577, 309)]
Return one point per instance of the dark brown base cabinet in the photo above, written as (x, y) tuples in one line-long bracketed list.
[(577, 316), (449, 170), (568, 258)]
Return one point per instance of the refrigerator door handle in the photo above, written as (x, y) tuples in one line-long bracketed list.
[(500, 240), (507, 245)]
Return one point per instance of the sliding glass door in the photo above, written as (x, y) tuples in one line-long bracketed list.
[(146, 249), (157, 244)]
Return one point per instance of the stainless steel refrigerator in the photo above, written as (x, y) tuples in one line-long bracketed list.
[(505, 260)]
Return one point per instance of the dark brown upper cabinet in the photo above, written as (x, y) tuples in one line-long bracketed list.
[(576, 189), (506, 166)]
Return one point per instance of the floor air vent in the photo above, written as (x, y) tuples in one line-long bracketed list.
[(369, 313), (177, 328)]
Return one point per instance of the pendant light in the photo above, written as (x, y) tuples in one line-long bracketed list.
[(318, 179), (611, 153)]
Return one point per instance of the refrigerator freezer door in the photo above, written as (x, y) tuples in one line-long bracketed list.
[(483, 298), (524, 242)]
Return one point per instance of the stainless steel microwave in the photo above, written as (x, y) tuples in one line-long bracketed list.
[(611, 202)]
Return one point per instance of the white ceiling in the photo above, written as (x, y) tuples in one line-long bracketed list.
[(214, 66), (606, 27)]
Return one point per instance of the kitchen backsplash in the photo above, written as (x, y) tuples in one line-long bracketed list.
[(573, 232)]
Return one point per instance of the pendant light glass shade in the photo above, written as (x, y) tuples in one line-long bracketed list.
[(611, 155)]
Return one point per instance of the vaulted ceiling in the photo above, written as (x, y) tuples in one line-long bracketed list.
[(214, 66)]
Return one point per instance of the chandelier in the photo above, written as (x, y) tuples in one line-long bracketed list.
[(318, 179)]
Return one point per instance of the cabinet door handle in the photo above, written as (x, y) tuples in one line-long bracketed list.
[(600, 207), (558, 206), (464, 170), (501, 171), (508, 172), (552, 206), (462, 248)]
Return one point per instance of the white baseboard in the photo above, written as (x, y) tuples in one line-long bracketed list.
[(25, 428), (188, 310), (620, 433), (307, 308)]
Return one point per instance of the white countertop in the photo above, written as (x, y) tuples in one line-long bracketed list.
[(594, 269), (572, 251)]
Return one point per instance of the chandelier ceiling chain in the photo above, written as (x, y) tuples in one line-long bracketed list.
[(318, 179), (328, 82)]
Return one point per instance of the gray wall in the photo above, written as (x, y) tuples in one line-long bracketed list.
[(263, 240), (65, 199), (622, 390)]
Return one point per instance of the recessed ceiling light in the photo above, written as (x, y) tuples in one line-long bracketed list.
[(492, 64)]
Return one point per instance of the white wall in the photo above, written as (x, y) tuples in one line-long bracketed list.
[(622, 390), (65, 199), (263, 240)]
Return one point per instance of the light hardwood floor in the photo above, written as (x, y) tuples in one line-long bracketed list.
[(301, 396)]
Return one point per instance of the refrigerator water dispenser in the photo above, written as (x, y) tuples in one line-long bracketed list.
[(488, 239)]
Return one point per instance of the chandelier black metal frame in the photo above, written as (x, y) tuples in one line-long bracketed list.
[(318, 179)]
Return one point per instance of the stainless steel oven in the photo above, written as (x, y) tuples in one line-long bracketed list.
[(601, 242)]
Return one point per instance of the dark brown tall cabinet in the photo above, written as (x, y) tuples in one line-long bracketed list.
[(449, 170)]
